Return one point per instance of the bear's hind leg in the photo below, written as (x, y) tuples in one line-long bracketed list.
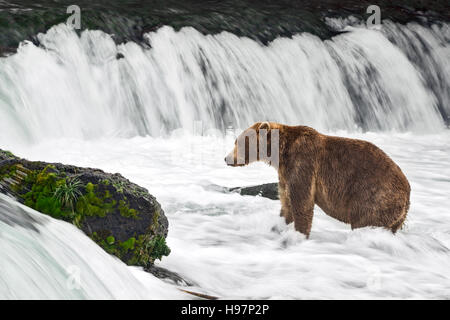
[(398, 224)]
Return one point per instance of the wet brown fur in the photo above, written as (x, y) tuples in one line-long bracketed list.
[(351, 180)]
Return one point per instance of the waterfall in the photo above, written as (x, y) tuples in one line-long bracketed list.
[(394, 78)]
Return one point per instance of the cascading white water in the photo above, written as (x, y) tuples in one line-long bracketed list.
[(429, 50), (426, 48), (45, 258), (75, 87)]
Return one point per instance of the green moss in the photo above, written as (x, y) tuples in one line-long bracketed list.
[(14, 171), (89, 187), (7, 171), (93, 203), (155, 219), (142, 251), (41, 196), (118, 185), (148, 249), (158, 248), (110, 240), (125, 210), (107, 244), (138, 192), (129, 244), (7, 153)]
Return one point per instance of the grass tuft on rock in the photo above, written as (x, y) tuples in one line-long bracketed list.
[(68, 192)]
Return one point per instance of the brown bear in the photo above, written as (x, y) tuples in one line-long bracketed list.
[(351, 180)]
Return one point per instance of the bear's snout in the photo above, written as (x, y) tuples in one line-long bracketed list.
[(230, 160)]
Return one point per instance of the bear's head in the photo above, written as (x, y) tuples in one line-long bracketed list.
[(260, 142)]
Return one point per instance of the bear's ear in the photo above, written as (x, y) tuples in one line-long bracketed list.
[(264, 125)]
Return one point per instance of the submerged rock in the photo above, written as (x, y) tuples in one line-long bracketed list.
[(122, 217), (267, 190), (165, 274)]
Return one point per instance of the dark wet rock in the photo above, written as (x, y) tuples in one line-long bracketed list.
[(163, 273), (122, 217), (267, 190), (7, 51)]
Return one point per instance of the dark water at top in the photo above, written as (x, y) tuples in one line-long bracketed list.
[(261, 20)]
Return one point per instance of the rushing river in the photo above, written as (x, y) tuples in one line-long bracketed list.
[(235, 246)]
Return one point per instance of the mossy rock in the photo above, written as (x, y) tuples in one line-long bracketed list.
[(122, 217)]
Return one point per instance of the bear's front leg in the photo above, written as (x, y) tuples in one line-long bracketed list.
[(285, 211), (301, 199)]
